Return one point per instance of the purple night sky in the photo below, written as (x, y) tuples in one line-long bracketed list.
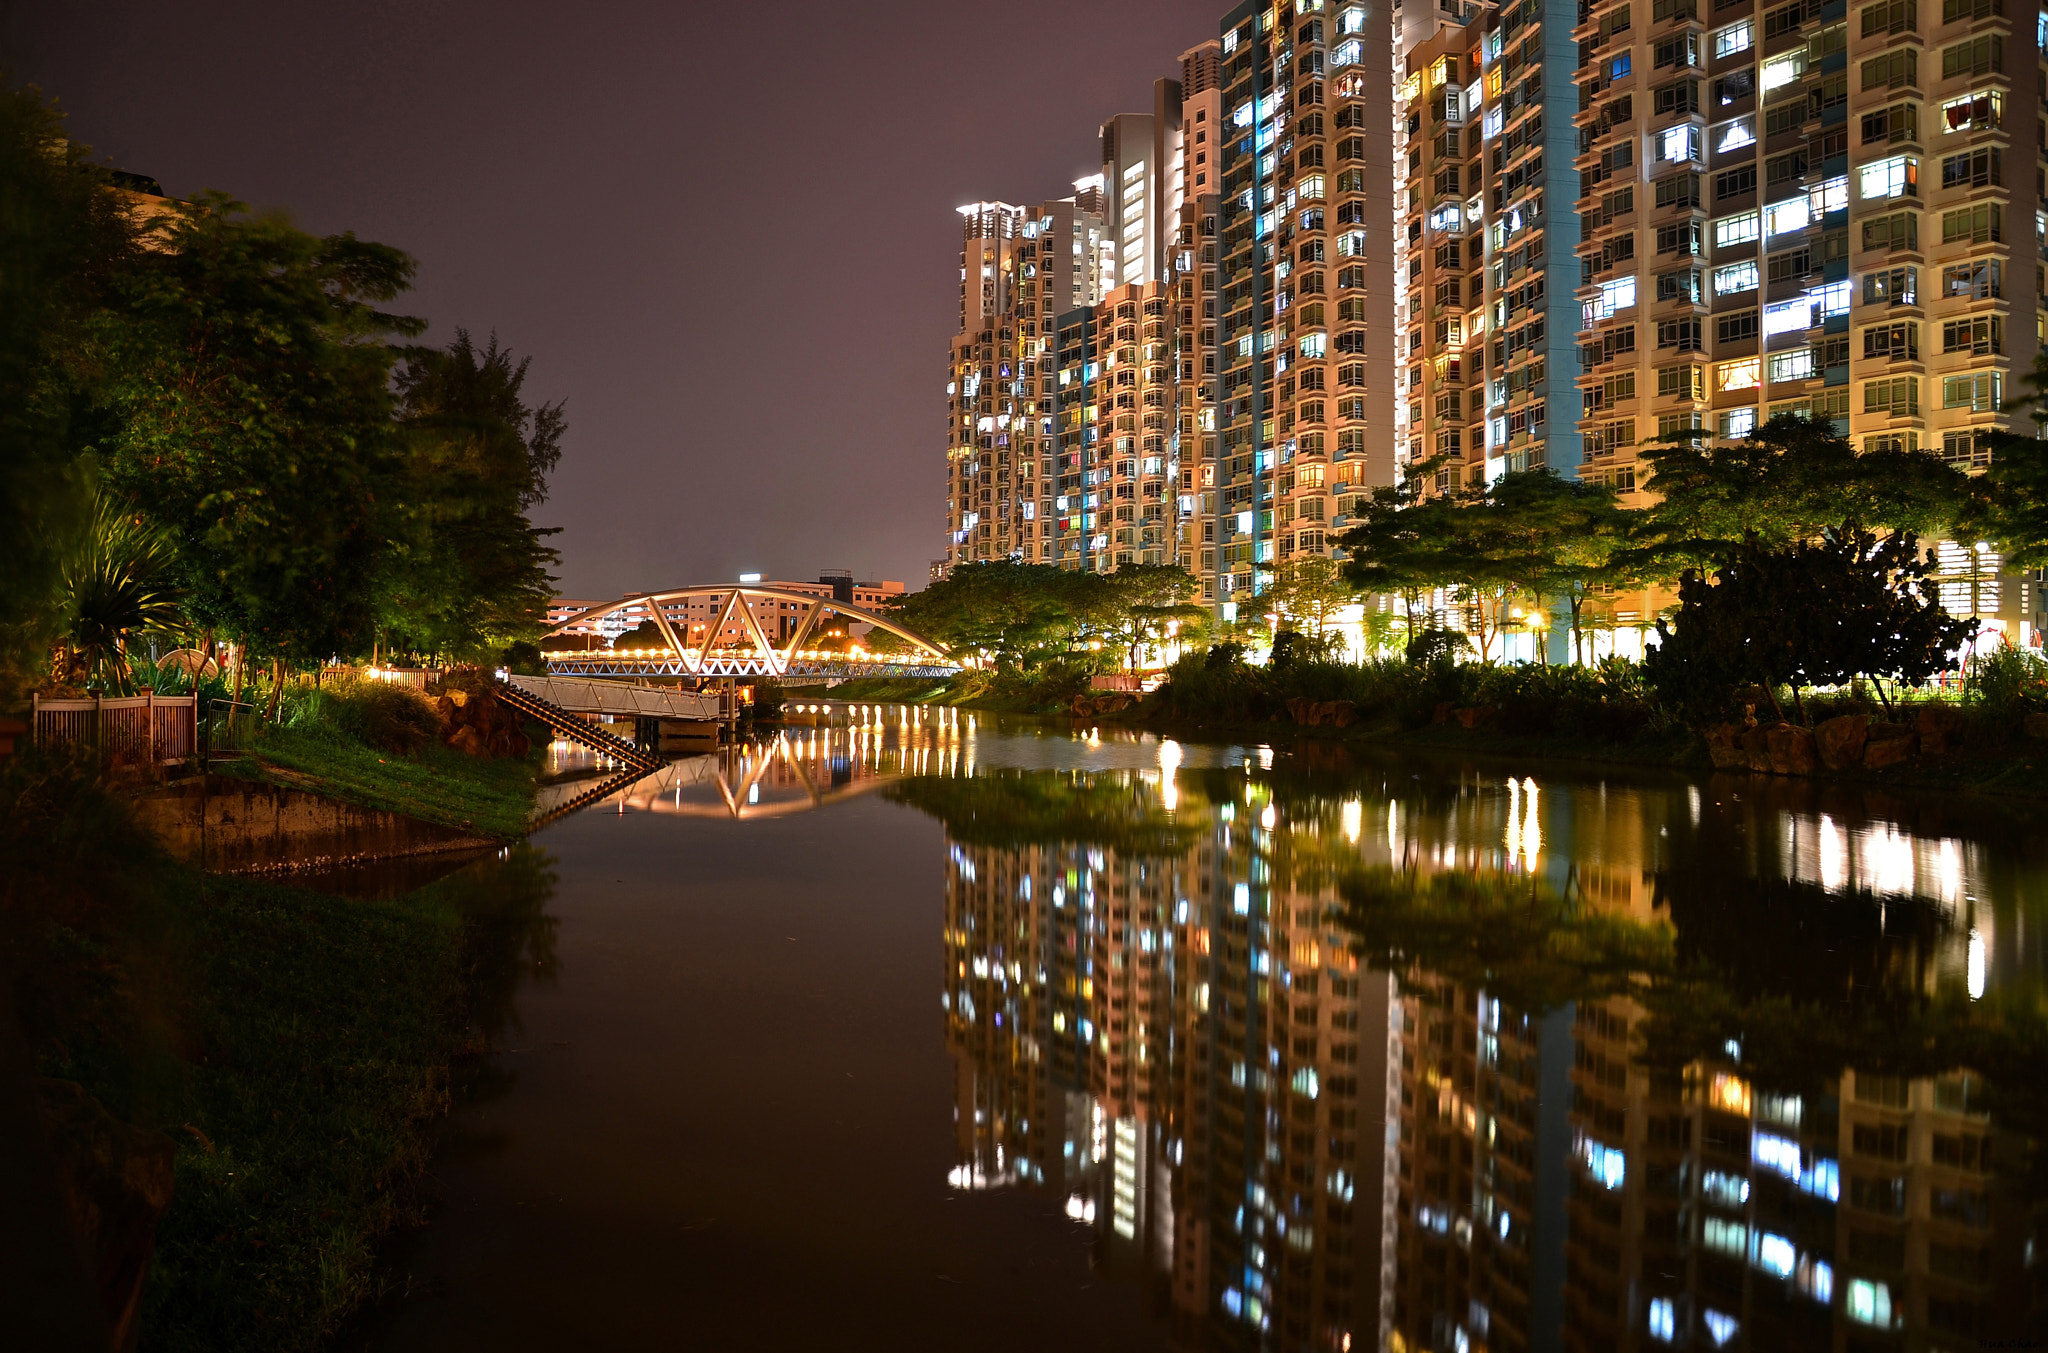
[(725, 233)]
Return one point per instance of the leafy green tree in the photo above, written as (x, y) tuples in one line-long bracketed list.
[(2011, 506), (1139, 604), (1401, 546), (468, 574), (1809, 613), (1006, 610), (64, 234), (250, 369), (1569, 533), (1310, 593), (1790, 479)]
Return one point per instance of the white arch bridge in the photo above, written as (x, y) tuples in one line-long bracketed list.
[(755, 655)]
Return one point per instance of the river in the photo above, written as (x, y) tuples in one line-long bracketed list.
[(941, 1033)]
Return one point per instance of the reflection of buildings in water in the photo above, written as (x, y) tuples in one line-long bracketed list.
[(1194, 1062), (1271, 1138)]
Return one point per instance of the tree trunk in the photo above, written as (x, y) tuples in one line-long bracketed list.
[(276, 687)]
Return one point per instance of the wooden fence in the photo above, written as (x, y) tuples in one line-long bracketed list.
[(133, 730)]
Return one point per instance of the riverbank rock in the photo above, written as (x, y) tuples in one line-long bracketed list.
[(1315, 713), (1889, 744), (1840, 740), (1475, 716), (1109, 702), (117, 1181), (1756, 750), (1724, 747), (1939, 729), (477, 724), (1790, 749)]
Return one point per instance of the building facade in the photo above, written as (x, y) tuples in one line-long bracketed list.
[(1223, 397), (1352, 239)]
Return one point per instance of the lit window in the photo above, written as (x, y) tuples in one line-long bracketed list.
[(1773, 1254), (1663, 1318), (1973, 112), (1898, 176), (1732, 39), (1720, 1327), (1614, 296), (1736, 229), (1725, 1236), (1783, 70), (1728, 1190), (1735, 134), (1735, 277), (1796, 365), (1787, 316), (1832, 195), (1742, 375), (1311, 188), (1606, 1164), (1784, 217), (1870, 1303)]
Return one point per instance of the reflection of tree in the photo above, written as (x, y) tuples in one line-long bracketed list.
[(1016, 808), (1807, 981), (507, 935), (1512, 935)]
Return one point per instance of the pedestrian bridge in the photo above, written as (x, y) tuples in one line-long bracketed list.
[(621, 700), (753, 655)]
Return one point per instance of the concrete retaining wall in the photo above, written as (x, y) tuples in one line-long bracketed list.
[(235, 826)]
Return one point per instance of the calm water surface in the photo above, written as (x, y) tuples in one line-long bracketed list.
[(951, 1036)]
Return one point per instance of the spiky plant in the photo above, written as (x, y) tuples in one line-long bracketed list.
[(119, 584)]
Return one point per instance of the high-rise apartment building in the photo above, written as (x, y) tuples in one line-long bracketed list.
[(1222, 403), (1731, 211)]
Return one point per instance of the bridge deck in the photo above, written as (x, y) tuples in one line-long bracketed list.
[(619, 699)]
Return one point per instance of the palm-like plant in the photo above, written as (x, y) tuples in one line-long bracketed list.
[(119, 583)]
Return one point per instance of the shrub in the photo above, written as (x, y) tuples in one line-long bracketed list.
[(2006, 683), (381, 714)]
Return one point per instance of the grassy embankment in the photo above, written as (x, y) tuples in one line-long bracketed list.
[(296, 1046), (376, 745)]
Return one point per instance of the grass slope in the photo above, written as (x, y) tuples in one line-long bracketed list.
[(491, 797)]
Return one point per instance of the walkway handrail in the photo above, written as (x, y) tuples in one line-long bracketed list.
[(577, 729)]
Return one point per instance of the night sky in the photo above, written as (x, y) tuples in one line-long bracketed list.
[(725, 233)]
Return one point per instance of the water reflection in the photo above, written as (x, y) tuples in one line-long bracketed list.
[(1377, 1058)]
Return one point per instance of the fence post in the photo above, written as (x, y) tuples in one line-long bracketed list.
[(149, 722)]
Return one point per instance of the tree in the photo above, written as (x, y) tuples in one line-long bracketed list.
[(1139, 604), (2011, 506), (468, 574), (1003, 609), (1808, 613), (1309, 593), (251, 373), (1569, 532), (64, 234), (1400, 545), (1790, 479)]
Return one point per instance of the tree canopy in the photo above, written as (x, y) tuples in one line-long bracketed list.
[(213, 422), (1022, 615)]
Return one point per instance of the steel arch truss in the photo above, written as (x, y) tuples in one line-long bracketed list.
[(765, 659)]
